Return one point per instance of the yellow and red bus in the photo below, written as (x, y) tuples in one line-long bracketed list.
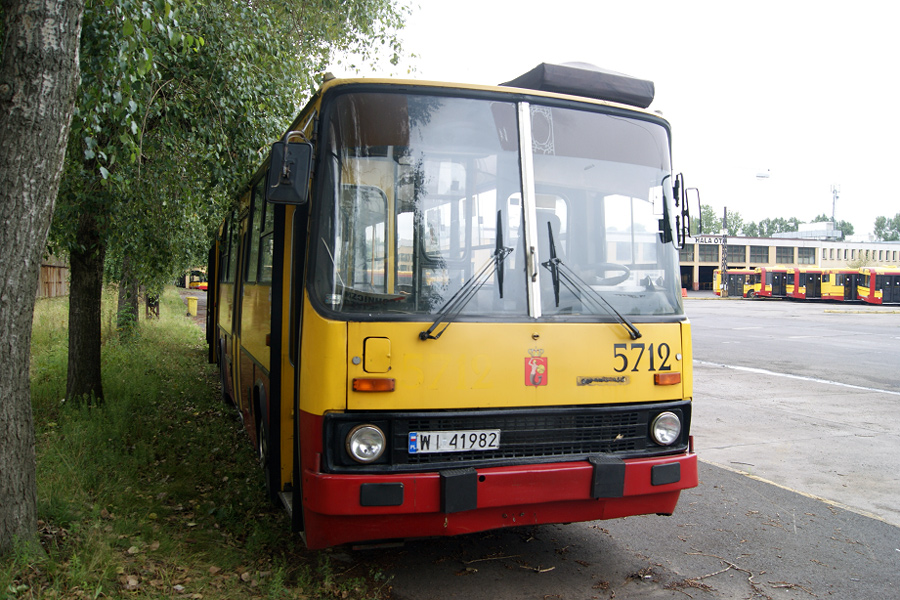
[(839, 284), (445, 308), (739, 283), (879, 285), (812, 283), (775, 282)]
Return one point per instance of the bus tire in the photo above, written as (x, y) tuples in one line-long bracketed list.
[(270, 471), (297, 496), (226, 397)]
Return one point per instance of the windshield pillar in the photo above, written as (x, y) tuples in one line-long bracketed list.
[(529, 204)]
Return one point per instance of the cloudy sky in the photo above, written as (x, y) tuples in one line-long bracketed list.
[(800, 89)]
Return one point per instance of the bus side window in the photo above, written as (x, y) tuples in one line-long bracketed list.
[(364, 208), (259, 203)]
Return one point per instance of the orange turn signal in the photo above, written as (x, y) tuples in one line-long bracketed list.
[(667, 378), (370, 384)]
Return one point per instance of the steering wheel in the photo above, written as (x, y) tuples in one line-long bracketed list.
[(624, 272)]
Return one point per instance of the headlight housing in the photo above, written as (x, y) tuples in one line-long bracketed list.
[(666, 428), (365, 443)]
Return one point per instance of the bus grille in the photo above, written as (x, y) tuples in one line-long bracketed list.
[(534, 436), (527, 435)]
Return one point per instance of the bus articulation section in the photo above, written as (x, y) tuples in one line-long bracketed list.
[(443, 309)]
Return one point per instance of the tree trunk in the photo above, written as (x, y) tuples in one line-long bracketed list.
[(38, 79), (85, 293), (129, 300)]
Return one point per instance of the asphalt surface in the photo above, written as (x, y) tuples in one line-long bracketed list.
[(732, 537)]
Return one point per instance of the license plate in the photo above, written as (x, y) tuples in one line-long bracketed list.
[(422, 442)]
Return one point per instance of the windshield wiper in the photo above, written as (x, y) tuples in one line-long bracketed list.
[(580, 288), (467, 290)]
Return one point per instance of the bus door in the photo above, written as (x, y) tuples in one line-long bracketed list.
[(735, 284), (813, 285), (779, 284), (225, 305), (850, 282), (890, 289), (239, 368)]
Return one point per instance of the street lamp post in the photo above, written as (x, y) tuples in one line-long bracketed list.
[(724, 268)]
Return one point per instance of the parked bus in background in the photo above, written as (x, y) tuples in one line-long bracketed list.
[(443, 308), (839, 284), (194, 279), (807, 283), (774, 282), (738, 282), (879, 285)]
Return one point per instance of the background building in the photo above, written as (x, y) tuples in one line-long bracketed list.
[(703, 254)]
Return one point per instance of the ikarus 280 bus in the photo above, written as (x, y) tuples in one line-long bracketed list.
[(446, 308)]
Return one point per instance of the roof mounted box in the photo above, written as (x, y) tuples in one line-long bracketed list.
[(583, 79)]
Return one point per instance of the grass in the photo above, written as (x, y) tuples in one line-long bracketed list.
[(156, 493)]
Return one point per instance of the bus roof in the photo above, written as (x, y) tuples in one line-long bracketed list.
[(583, 79)]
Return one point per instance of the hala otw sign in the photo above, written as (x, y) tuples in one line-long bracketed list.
[(536, 368), (718, 240)]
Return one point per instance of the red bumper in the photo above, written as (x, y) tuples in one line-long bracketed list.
[(504, 497)]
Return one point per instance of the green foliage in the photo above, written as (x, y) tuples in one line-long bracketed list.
[(707, 223), (887, 229), (156, 493), (733, 222), (712, 223), (178, 103), (766, 227)]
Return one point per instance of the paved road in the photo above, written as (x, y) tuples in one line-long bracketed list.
[(732, 537), (798, 495)]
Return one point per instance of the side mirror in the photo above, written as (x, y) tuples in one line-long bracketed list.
[(687, 197), (290, 165)]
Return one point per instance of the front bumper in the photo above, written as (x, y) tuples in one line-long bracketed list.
[(341, 508)]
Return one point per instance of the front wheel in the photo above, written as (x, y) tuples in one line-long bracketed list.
[(270, 471)]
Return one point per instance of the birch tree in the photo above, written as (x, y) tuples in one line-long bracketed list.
[(38, 78)]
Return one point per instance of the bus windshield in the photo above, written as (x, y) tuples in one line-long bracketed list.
[(430, 199)]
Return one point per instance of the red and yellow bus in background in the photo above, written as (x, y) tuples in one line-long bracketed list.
[(840, 284), (774, 282), (879, 285), (738, 282), (811, 283), (458, 308)]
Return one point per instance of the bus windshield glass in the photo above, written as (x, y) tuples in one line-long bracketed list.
[(427, 204)]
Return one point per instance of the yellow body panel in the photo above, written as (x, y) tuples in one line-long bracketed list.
[(256, 318), (323, 370), (488, 365), (687, 362)]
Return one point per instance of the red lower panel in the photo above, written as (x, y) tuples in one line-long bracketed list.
[(506, 496)]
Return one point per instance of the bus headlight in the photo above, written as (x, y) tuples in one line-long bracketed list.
[(365, 443), (665, 429)]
